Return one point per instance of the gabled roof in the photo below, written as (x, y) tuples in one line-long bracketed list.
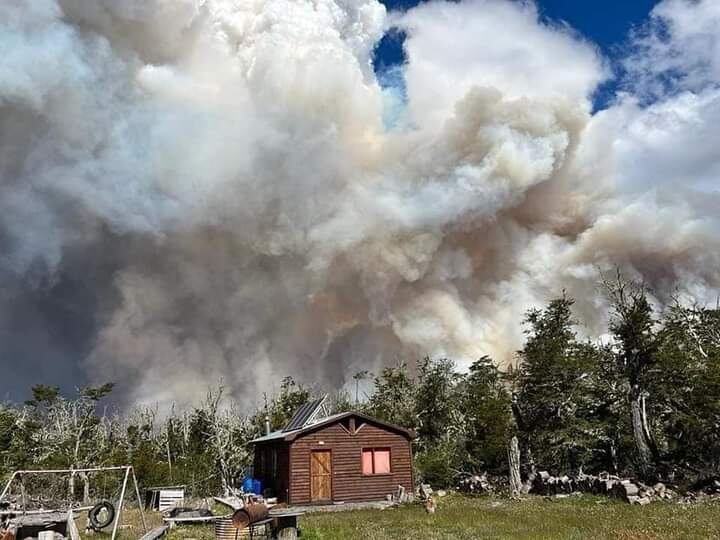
[(292, 435)]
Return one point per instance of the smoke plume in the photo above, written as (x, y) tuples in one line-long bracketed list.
[(192, 190)]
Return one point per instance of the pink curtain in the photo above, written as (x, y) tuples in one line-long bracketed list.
[(382, 461), (367, 462)]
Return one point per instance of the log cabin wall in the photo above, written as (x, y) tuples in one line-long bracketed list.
[(346, 443)]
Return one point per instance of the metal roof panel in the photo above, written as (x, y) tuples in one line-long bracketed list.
[(303, 414)]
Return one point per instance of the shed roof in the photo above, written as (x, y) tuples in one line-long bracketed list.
[(291, 435)]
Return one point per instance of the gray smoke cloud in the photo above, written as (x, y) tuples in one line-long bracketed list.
[(193, 190)]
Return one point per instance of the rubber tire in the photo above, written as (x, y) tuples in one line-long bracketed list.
[(94, 513)]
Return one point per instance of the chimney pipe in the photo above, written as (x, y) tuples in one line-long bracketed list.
[(267, 425)]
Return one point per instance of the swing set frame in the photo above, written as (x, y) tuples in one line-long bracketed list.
[(128, 472)]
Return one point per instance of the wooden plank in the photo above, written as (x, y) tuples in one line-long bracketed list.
[(203, 519), (46, 519), (170, 498), (178, 493), (155, 533), (233, 502), (72, 529)]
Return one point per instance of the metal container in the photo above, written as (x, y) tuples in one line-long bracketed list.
[(225, 530), (249, 514)]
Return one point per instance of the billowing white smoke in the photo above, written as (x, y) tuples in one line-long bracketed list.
[(263, 221)]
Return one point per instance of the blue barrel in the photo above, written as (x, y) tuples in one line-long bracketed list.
[(257, 487), (247, 485)]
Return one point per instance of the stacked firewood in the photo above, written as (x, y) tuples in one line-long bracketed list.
[(474, 484), (602, 484)]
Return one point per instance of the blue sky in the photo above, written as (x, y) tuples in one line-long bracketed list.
[(604, 22)]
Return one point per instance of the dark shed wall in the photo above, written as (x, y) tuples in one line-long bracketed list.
[(348, 482), (279, 481)]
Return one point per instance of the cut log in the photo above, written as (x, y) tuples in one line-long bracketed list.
[(624, 490)]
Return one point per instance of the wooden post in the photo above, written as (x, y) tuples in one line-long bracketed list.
[(22, 493), (120, 504), (72, 526), (7, 486), (140, 503), (169, 456)]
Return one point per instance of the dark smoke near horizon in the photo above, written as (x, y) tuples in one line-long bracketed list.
[(193, 190)]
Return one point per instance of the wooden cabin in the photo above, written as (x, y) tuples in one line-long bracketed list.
[(347, 457)]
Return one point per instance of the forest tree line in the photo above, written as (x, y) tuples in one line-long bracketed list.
[(645, 404)]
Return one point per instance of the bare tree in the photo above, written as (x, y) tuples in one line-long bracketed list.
[(73, 432), (227, 436), (632, 324)]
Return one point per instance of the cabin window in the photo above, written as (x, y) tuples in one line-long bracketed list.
[(376, 461)]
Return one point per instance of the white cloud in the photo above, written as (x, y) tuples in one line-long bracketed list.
[(452, 47), (678, 50)]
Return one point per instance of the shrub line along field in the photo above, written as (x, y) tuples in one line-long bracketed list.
[(463, 518)]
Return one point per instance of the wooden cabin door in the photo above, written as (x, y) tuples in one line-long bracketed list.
[(320, 475)]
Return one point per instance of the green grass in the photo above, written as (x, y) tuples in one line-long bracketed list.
[(462, 518), (534, 518)]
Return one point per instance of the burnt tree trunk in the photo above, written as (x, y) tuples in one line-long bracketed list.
[(514, 465), (521, 427), (640, 436)]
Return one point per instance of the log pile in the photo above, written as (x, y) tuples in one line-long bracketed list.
[(474, 484), (602, 484)]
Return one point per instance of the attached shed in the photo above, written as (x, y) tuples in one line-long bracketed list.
[(348, 457)]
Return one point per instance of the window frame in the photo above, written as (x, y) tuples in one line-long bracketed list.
[(372, 450)]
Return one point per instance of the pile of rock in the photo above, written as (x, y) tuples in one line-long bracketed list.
[(705, 489), (602, 484)]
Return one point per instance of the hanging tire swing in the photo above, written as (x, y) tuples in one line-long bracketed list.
[(101, 515)]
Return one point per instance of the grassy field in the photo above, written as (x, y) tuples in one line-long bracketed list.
[(467, 518)]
